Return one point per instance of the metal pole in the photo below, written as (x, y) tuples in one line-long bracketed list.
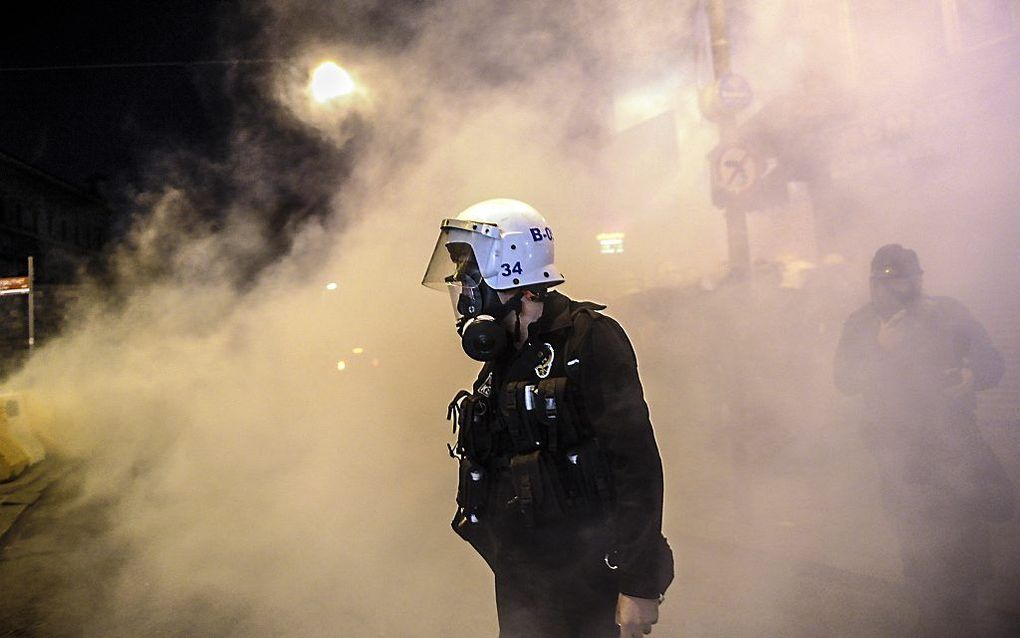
[(719, 37), (736, 220), (31, 304)]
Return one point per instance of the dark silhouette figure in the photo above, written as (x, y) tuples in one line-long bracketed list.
[(917, 362)]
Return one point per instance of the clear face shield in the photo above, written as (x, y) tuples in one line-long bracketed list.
[(454, 268)]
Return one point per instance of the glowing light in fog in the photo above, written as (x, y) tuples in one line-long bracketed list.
[(641, 104), (329, 82), (610, 243), (358, 350), (331, 286), (341, 365)]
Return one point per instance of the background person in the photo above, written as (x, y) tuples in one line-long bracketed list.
[(917, 361)]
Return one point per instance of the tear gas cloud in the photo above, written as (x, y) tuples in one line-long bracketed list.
[(255, 488)]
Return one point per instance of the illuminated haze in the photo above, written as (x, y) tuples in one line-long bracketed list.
[(255, 489)]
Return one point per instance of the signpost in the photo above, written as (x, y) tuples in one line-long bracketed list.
[(23, 286), (14, 286), (736, 220)]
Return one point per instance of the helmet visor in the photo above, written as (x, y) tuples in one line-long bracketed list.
[(456, 254)]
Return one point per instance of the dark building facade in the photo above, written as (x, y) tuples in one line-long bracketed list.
[(62, 228), (44, 217)]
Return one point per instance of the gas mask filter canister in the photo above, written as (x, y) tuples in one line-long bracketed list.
[(483, 338), (482, 335)]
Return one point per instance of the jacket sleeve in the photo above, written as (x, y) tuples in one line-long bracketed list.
[(615, 406), (978, 353)]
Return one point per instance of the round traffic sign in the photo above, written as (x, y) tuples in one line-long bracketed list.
[(734, 93), (737, 169)]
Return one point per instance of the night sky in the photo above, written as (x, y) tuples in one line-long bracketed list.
[(123, 98), (121, 101)]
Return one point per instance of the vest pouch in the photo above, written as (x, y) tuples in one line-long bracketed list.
[(556, 412), (472, 488), (588, 485), (472, 496), (539, 497), (475, 437), (518, 403)]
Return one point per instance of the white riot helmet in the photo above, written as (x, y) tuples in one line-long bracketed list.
[(511, 243), (495, 245)]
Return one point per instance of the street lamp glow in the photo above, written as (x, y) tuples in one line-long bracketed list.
[(329, 82), (331, 285)]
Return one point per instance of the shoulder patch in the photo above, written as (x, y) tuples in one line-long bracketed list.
[(545, 363)]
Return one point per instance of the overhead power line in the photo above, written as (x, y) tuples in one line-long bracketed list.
[(139, 65)]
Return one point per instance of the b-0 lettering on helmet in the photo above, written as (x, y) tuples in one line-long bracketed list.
[(537, 234)]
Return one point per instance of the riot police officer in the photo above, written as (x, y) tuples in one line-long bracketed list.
[(560, 487)]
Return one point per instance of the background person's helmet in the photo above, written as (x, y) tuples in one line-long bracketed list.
[(511, 243), (893, 261)]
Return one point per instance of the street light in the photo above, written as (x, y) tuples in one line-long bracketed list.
[(329, 82)]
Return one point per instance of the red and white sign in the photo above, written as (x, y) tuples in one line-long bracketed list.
[(736, 169), (15, 285)]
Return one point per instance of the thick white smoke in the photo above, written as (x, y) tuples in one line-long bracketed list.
[(272, 456)]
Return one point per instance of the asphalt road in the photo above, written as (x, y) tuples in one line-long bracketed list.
[(58, 566), (50, 564)]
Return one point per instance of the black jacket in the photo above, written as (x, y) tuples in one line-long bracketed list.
[(930, 452), (616, 412), (941, 335)]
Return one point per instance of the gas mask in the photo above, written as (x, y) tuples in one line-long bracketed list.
[(889, 296), (895, 279), (480, 313)]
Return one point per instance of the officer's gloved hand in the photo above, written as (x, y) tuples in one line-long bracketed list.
[(635, 616)]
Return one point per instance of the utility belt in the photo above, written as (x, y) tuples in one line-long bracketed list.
[(527, 459)]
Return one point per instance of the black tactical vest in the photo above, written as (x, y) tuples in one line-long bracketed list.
[(528, 458)]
